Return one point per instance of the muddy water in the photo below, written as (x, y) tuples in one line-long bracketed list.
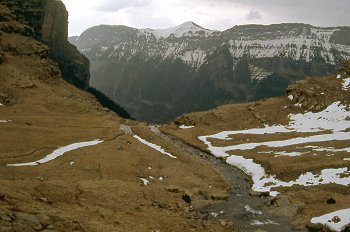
[(251, 214)]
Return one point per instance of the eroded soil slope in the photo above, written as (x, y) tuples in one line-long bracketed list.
[(92, 188)]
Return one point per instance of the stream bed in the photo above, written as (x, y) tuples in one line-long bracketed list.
[(248, 213)]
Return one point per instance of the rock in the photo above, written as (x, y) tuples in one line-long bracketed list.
[(259, 194), (173, 189), (159, 205), (347, 228), (45, 200), (286, 211), (48, 23), (2, 57), (223, 222), (29, 219), (336, 219), (205, 194), (217, 197), (5, 217), (317, 227), (280, 202)]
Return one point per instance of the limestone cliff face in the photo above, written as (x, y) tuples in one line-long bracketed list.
[(47, 21)]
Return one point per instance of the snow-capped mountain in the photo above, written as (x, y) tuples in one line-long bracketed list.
[(188, 29), (206, 68)]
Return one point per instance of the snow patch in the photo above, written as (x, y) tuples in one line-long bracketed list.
[(291, 97), (3, 121), (265, 222), (346, 84), (154, 146), (330, 221), (185, 127), (58, 152), (290, 154), (332, 121), (251, 210), (145, 181)]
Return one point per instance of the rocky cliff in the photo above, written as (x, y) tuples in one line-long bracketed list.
[(47, 21)]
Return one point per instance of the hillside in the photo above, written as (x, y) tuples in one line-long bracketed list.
[(294, 147), (159, 74), (64, 163)]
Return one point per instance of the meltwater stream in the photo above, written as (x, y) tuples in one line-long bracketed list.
[(248, 213)]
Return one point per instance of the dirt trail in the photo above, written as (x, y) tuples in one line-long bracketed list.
[(248, 213)]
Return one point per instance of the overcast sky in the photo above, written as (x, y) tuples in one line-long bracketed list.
[(212, 14)]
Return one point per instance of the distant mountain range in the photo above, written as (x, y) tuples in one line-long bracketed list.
[(159, 74)]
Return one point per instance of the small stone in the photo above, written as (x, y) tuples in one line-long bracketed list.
[(172, 189), (5, 217), (223, 222), (205, 194), (219, 197), (45, 200), (336, 219)]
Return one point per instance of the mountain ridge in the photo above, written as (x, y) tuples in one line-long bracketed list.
[(204, 70)]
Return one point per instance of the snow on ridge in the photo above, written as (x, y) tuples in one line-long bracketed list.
[(258, 73), (330, 220), (195, 58), (297, 47), (333, 119), (57, 153)]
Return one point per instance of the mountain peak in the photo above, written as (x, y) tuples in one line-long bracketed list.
[(188, 28), (190, 23)]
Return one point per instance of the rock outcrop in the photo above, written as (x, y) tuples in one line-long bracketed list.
[(47, 21)]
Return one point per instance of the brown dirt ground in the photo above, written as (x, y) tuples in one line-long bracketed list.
[(101, 191)]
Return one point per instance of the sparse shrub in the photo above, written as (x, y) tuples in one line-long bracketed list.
[(345, 68), (2, 57)]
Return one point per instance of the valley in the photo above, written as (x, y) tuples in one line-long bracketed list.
[(67, 163)]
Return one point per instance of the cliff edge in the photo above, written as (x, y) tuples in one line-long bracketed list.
[(47, 21)]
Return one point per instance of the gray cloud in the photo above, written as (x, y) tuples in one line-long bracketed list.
[(317, 12), (116, 5), (213, 14), (254, 14)]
